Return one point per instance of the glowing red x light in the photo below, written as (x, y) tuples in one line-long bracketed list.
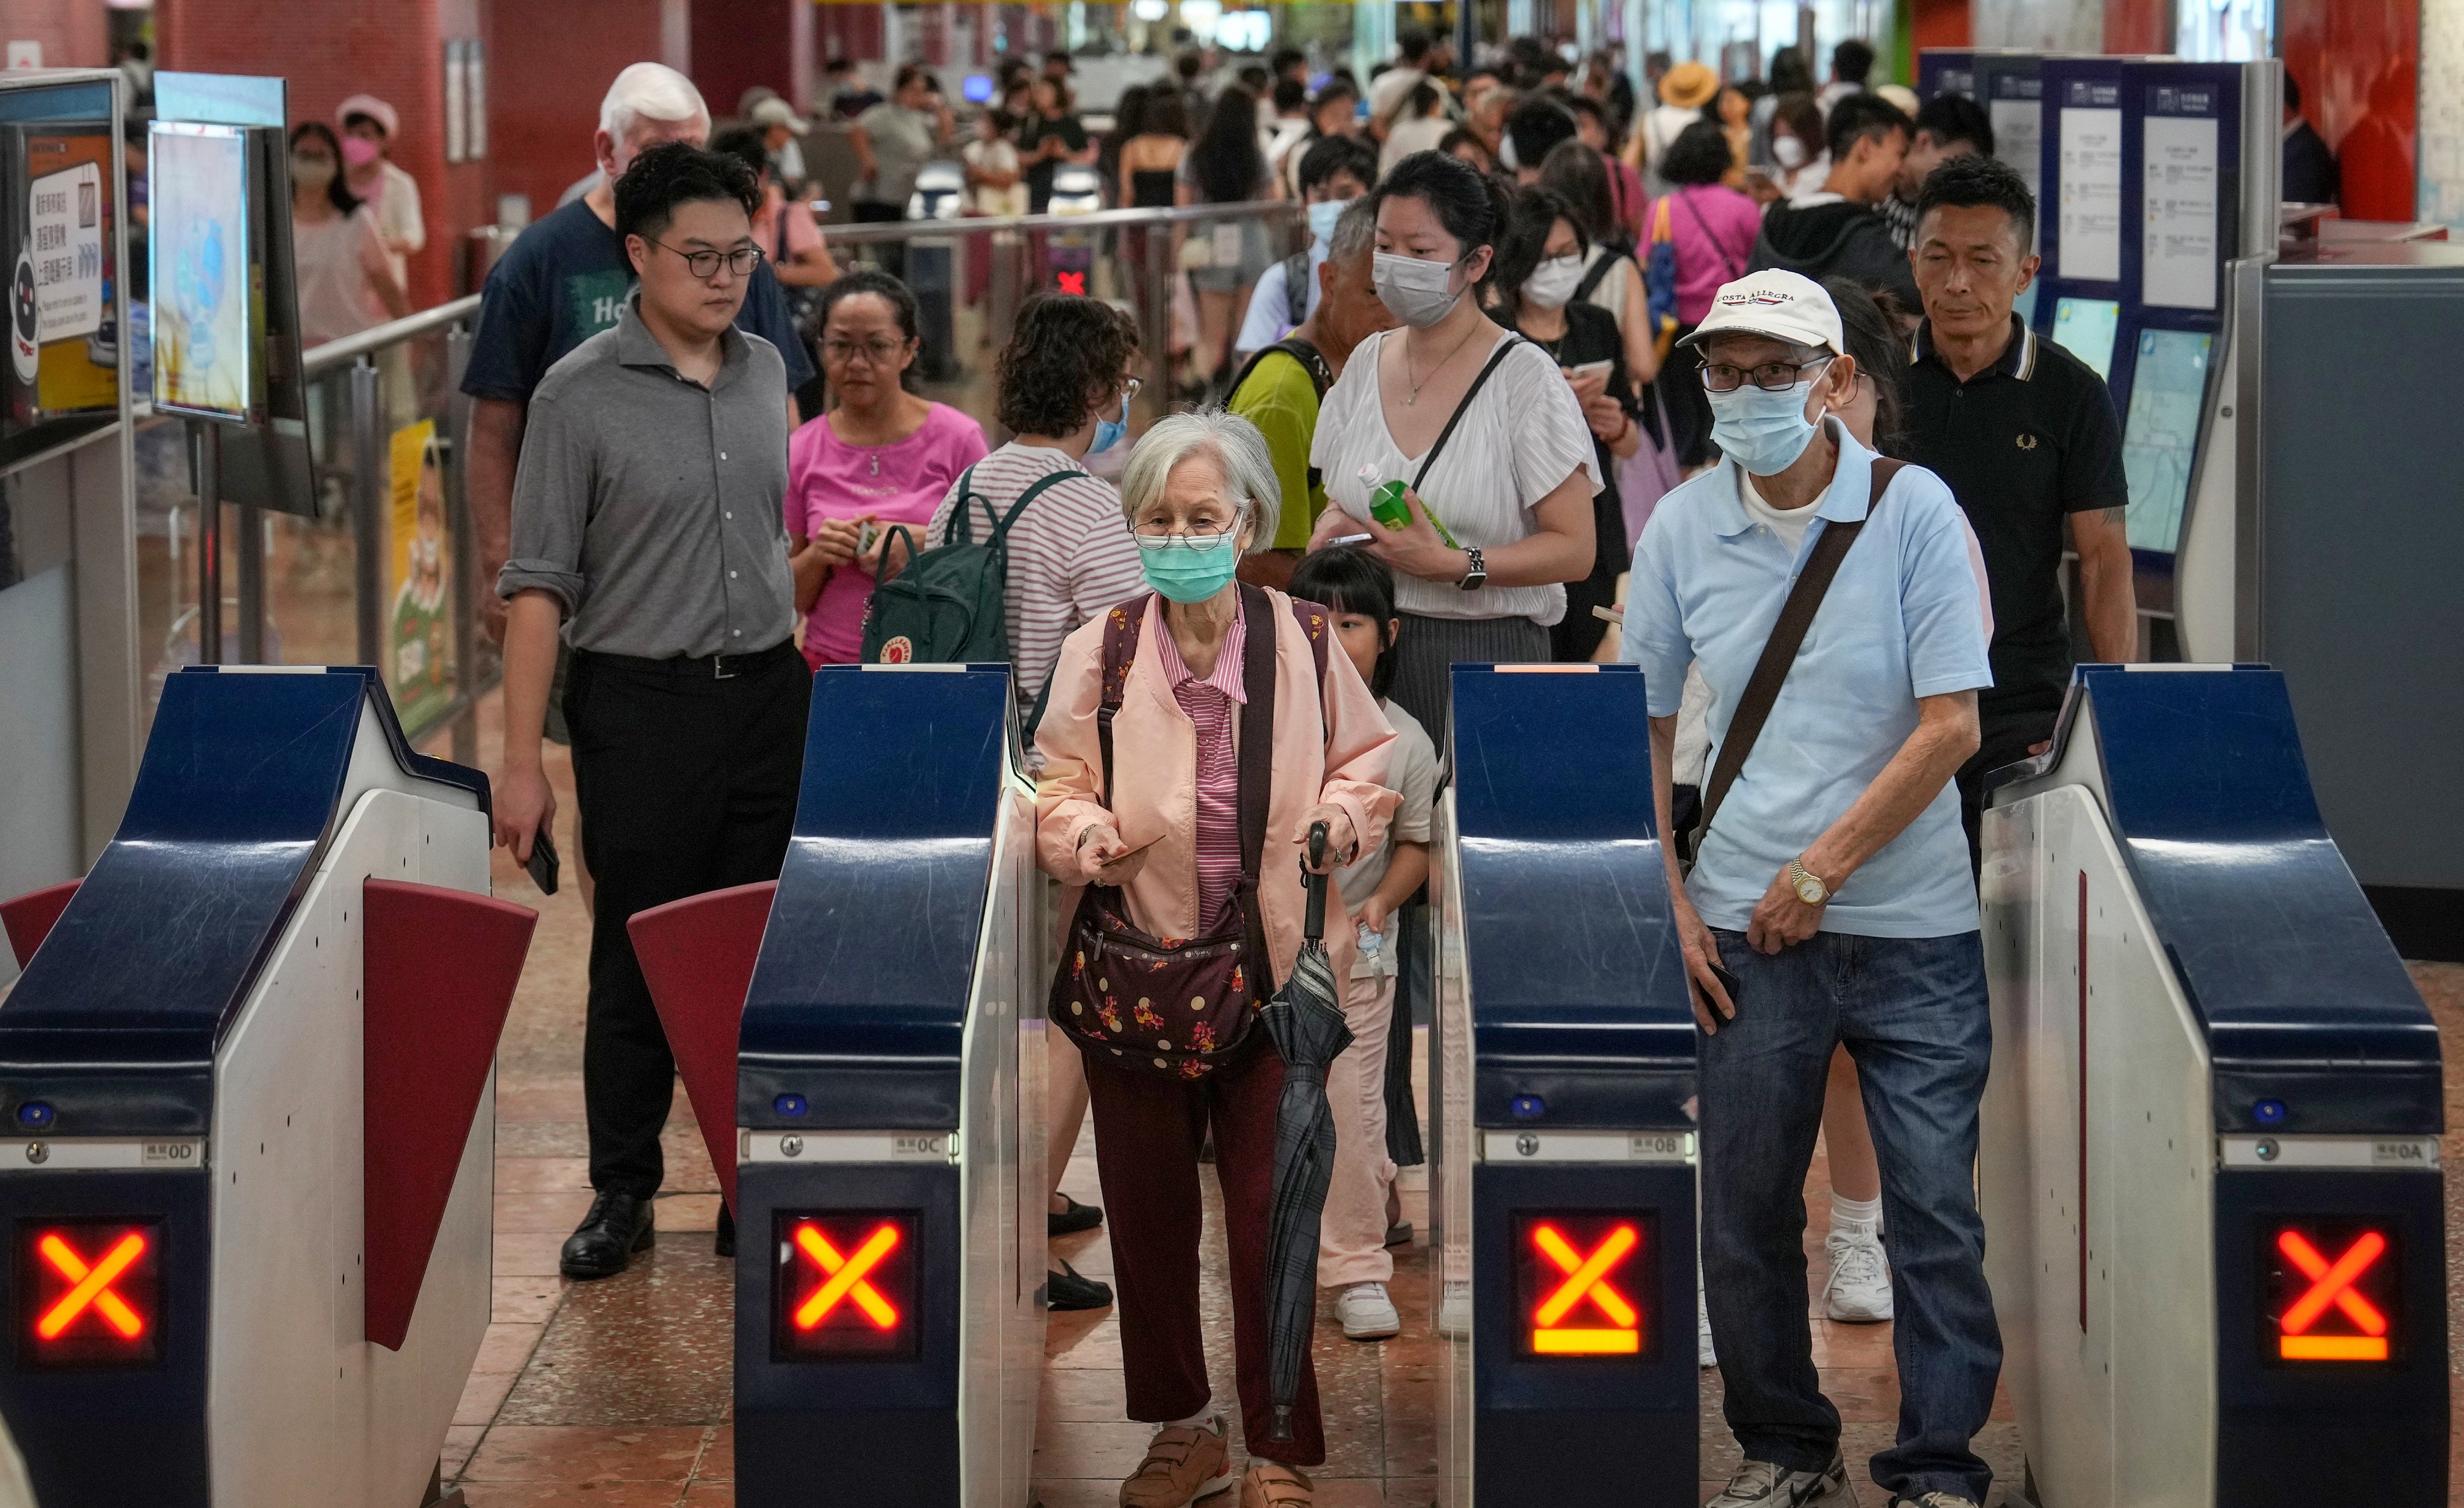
[(1568, 1271), (87, 1292), (92, 1286), (1073, 282), (846, 1277), (848, 1286), (2332, 1286)]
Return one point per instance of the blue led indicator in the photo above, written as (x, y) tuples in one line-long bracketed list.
[(1528, 1107), (2268, 1112), (35, 1113), (789, 1104)]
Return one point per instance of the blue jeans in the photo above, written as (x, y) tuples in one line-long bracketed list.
[(1913, 1013)]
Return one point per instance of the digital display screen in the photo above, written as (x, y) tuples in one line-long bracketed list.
[(2084, 328), (59, 250), (89, 1293), (2331, 1289), (204, 327), (1585, 1284), (845, 1290), (2161, 436)]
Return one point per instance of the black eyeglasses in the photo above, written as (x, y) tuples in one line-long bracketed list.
[(1769, 377), (705, 264)]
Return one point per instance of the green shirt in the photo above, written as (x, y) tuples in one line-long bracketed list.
[(1281, 400)]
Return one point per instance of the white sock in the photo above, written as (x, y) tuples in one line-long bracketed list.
[(1204, 1417), (1858, 1217)]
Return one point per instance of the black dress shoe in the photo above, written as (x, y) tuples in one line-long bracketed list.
[(1072, 1220), (1065, 1290), (725, 1242), (618, 1225)]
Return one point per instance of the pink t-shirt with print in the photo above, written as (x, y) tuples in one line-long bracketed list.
[(901, 483)]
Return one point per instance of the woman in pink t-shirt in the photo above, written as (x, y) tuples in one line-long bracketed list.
[(882, 456)]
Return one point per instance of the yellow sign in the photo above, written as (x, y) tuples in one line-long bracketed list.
[(419, 645)]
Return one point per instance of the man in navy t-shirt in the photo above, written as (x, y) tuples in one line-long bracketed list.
[(564, 281)]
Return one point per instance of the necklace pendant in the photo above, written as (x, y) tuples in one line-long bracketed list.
[(876, 463), (1411, 399)]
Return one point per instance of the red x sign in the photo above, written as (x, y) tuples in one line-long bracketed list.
[(87, 1292), (1583, 1283), (2332, 1286), (1072, 282), (846, 1288), (846, 1277)]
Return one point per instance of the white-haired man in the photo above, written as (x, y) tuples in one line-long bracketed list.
[(566, 280)]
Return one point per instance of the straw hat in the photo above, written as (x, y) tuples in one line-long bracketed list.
[(1689, 86)]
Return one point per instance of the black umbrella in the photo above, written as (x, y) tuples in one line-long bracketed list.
[(1306, 1020)]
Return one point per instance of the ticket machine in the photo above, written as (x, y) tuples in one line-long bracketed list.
[(865, 1037), (1563, 1138), (2210, 1159), (246, 1166)]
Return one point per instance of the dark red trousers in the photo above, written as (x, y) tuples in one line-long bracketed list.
[(1148, 1131)]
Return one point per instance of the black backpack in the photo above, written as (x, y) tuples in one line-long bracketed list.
[(1297, 287), (1312, 361), (945, 607)]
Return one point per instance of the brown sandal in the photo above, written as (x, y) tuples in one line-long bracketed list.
[(1271, 1484)]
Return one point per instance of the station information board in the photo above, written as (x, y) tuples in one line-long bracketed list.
[(60, 249)]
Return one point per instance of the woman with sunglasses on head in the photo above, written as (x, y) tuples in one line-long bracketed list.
[(1512, 481), (881, 456)]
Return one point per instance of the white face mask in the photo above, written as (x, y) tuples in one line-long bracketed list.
[(1322, 216), (1788, 152), (1417, 293), (1552, 283)]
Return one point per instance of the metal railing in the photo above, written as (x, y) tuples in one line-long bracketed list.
[(367, 388)]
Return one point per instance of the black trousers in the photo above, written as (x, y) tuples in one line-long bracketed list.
[(687, 784), (2005, 736), (890, 255)]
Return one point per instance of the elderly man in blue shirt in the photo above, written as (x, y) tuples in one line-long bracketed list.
[(1830, 898)]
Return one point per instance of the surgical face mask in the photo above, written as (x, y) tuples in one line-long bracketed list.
[(312, 172), (1416, 292), (1787, 151), (1191, 569), (359, 151), (1763, 431), (1552, 283), (1322, 217), (1108, 432)]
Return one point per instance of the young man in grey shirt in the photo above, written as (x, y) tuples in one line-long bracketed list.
[(647, 523)]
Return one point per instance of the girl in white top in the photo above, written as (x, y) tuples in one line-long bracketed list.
[(346, 283), (1513, 483)]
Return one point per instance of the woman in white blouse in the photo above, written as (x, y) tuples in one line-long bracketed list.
[(1512, 483)]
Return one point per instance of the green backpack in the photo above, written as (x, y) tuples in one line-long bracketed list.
[(945, 607)]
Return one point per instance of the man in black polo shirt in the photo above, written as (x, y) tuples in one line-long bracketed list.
[(2025, 434)]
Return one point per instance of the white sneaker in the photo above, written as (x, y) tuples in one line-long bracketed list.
[(1762, 1484), (1860, 1290), (1367, 1313)]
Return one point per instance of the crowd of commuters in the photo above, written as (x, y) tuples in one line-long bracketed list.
[(1569, 294)]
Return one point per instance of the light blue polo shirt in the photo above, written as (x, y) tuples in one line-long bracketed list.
[(1902, 620)]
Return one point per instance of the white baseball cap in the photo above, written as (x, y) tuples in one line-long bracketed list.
[(1781, 305), (775, 111)]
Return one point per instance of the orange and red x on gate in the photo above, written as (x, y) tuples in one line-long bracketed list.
[(1582, 1284), (847, 1286), (2335, 1293), (88, 1292)]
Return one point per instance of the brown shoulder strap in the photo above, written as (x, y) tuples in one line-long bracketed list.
[(1779, 652), (1255, 777), (1120, 648)]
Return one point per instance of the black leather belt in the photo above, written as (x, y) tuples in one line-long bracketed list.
[(701, 667)]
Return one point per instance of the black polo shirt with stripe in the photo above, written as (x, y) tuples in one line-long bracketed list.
[(2023, 443)]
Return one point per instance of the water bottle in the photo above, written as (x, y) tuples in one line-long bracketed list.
[(1387, 506)]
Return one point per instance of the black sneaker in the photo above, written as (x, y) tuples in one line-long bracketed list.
[(1400, 1233), (618, 1225), (1065, 1290), (1763, 1484), (1073, 1219)]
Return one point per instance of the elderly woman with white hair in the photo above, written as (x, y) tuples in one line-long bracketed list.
[(1193, 737)]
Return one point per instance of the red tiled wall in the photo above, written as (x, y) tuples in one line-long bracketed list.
[(1940, 23), (550, 64), (740, 43)]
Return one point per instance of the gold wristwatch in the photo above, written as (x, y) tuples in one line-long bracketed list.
[(1809, 887)]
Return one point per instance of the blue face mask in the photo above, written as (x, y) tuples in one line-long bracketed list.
[(1189, 572), (1322, 217), (1108, 432), (1763, 431)]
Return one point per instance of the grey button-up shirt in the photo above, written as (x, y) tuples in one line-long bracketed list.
[(652, 505)]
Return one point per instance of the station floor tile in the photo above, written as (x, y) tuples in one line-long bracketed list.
[(616, 1394)]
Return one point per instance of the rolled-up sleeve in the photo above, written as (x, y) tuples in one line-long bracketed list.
[(1359, 746), (552, 491), (1653, 636), (1937, 598), (1068, 792)]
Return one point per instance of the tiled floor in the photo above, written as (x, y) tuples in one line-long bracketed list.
[(616, 1394)]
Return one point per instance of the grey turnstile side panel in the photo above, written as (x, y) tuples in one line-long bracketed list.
[(2113, 1375), (1451, 1157), (2358, 536)]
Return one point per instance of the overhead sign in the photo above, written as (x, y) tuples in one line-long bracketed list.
[(1583, 1284), (2333, 1296), (88, 1292), (845, 1287)]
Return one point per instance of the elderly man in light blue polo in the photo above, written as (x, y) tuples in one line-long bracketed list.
[(1831, 899)]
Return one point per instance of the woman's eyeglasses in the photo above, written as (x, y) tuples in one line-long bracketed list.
[(876, 353), (705, 264), (1157, 533), (1769, 377)]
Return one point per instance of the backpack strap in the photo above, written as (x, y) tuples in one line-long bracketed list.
[(1035, 489), (1120, 648), (1296, 269), (958, 509), (1779, 652), (1316, 622), (1255, 776), (1596, 273), (1312, 361)]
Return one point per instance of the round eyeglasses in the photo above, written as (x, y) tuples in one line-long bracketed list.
[(741, 261), (1770, 376)]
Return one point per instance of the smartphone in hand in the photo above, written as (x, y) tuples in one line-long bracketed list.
[(543, 865), (1728, 980)]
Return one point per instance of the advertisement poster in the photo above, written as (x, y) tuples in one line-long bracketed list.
[(201, 270), (56, 243), (419, 646)]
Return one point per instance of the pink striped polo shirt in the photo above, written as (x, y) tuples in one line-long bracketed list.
[(1209, 704)]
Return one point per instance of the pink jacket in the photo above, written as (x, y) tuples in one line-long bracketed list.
[(1154, 762)]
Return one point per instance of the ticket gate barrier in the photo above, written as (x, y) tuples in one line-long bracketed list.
[(246, 1169), (2210, 1151), (878, 1117), (1563, 1141)]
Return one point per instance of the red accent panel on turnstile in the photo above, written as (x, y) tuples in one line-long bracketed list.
[(697, 956), (440, 966), (30, 917)]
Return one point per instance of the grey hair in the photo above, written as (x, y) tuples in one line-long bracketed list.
[(1236, 445), (649, 92), (1355, 232)]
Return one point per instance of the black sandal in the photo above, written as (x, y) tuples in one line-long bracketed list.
[(1072, 1220)]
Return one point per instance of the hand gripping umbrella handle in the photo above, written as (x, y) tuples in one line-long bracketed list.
[(1314, 925)]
